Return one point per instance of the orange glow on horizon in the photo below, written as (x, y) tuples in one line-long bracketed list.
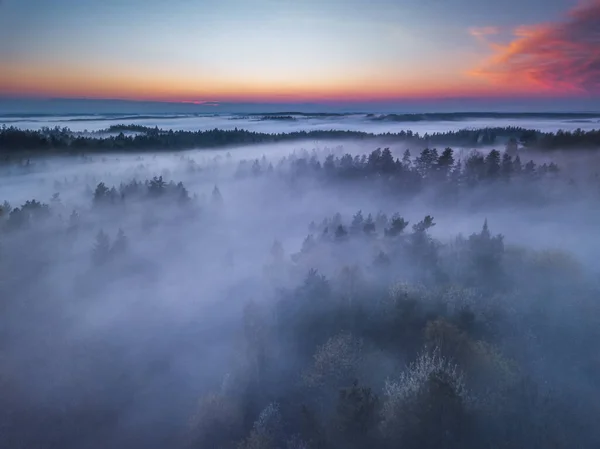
[(129, 85), (318, 57)]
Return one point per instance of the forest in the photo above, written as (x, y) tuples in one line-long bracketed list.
[(16, 142), (314, 300)]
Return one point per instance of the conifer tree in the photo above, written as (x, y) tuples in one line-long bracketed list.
[(101, 252)]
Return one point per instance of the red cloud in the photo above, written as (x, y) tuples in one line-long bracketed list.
[(563, 56)]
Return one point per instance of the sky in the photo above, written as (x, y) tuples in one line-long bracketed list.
[(299, 51)]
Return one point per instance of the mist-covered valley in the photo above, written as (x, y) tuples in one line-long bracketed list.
[(294, 121), (331, 293)]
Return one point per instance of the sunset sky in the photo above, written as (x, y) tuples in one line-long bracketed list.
[(299, 50)]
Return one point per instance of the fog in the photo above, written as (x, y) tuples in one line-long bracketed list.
[(182, 309), (351, 122)]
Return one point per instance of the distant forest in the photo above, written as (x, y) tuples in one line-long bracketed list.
[(408, 117), (136, 138)]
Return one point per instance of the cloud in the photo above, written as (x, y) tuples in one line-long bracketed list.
[(482, 33), (561, 57), (198, 102)]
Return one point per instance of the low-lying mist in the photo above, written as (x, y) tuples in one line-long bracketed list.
[(300, 295), (290, 122)]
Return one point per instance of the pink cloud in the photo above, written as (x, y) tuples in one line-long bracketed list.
[(484, 32), (560, 57)]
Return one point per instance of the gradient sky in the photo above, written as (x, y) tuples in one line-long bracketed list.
[(298, 50)]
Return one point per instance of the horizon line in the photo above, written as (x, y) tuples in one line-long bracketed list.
[(11, 104)]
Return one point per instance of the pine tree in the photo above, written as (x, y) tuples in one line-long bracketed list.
[(445, 163), (357, 222), (340, 232), (406, 159), (424, 224), (507, 166), (101, 193), (381, 221), (217, 198), (387, 161), (5, 209), (101, 252), (120, 244), (517, 166), (73, 221), (512, 147), (427, 161), (530, 168), (492, 162), (308, 244), (369, 225), (486, 253), (357, 415), (157, 186), (397, 226)]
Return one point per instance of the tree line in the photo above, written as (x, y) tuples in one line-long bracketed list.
[(15, 141)]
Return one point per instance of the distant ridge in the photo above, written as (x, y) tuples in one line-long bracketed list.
[(72, 106), (404, 117)]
